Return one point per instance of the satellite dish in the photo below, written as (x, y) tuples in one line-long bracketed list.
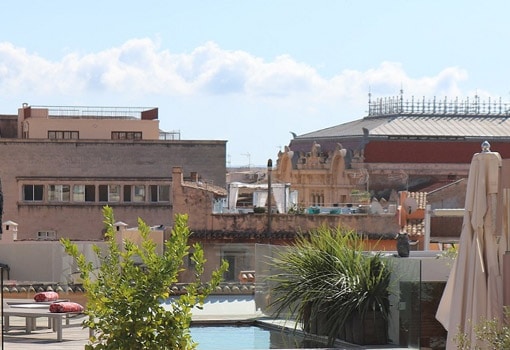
[(410, 205)]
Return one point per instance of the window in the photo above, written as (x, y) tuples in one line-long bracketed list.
[(139, 193), (317, 199), (103, 193), (84, 193), (134, 193), (113, 193), (237, 261), (126, 135), (63, 135), (109, 193), (58, 193), (90, 193), (78, 193), (46, 235), (127, 193), (190, 263), (33, 192), (160, 193)]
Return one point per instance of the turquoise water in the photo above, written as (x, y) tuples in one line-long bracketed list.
[(247, 338)]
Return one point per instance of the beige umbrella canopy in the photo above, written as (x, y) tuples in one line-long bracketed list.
[(474, 290)]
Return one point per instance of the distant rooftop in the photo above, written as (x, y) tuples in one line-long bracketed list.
[(425, 119)]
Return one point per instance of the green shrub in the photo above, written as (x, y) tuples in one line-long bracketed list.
[(259, 210), (325, 278), (493, 334), (126, 290)]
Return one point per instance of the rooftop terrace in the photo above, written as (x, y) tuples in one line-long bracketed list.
[(99, 112)]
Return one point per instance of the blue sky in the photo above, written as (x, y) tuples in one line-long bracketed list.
[(250, 72)]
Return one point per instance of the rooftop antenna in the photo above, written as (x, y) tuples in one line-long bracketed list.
[(369, 100), (249, 159), (401, 98)]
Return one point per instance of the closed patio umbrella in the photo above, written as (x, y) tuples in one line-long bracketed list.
[(474, 290)]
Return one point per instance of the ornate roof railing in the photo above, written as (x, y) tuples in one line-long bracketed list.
[(396, 105)]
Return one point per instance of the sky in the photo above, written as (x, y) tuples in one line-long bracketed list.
[(250, 72)]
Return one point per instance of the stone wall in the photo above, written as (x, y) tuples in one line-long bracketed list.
[(106, 159), (8, 126), (362, 223)]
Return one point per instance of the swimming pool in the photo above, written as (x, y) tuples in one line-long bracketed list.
[(248, 338)]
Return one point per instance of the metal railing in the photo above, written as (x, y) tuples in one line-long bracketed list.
[(95, 112), (396, 105)]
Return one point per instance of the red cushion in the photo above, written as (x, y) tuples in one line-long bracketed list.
[(66, 306), (46, 296)]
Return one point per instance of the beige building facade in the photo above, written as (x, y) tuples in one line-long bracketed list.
[(66, 163), (88, 123)]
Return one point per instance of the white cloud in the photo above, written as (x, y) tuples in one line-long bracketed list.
[(20, 70), (213, 93), (389, 78), (141, 67)]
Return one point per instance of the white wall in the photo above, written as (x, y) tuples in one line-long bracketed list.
[(42, 261)]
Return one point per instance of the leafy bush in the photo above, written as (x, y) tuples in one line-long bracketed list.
[(361, 196), (493, 334), (450, 254), (259, 210), (126, 290), (326, 278)]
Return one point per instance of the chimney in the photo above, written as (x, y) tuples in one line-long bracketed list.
[(10, 231)]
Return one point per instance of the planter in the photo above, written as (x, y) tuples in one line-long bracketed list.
[(314, 324), (361, 197), (314, 210), (370, 330)]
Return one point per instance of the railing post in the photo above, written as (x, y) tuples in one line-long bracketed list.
[(269, 204)]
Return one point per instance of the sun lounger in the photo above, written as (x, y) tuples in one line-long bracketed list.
[(32, 311), (24, 301)]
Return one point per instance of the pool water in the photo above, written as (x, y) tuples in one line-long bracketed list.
[(247, 338)]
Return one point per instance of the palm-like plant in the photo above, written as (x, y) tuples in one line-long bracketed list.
[(326, 280)]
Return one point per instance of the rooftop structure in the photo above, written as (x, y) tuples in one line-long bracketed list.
[(398, 106), (418, 119), (418, 142), (98, 112), (62, 164), (66, 122)]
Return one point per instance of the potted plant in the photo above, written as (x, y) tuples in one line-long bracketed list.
[(489, 333), (362, 197), (259, 210), (332, 287)]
